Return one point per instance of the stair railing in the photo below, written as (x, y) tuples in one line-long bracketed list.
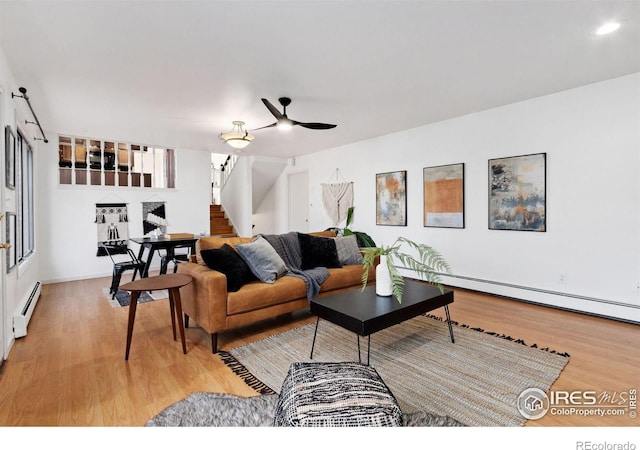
[(227, 167)]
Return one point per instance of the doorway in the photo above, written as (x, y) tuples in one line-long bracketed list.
[(299, 202), (3, 253)]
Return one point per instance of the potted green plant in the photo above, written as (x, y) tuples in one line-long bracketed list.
[(364, 240), (427, 263)]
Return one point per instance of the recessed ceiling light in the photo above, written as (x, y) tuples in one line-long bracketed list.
[(607, 28)]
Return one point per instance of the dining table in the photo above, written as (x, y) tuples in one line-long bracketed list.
[(162, 242)]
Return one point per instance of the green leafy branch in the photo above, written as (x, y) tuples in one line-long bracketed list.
[(428, 265)]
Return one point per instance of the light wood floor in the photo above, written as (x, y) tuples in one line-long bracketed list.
[(69, 370)]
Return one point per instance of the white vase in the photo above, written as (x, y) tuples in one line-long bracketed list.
[(383, 278)]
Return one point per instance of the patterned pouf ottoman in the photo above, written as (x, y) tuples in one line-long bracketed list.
[(335, 395)]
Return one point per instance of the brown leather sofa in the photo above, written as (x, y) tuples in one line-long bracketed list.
[(208, 303)]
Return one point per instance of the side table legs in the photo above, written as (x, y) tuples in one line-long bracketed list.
[(175, 307), (174, 299), (133, 303), (172, 311), (172, 283)]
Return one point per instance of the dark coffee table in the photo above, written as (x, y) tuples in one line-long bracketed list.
[(365, 313)]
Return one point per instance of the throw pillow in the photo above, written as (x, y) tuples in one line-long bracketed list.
[(318, 252), (287, 246), (262, 259), (348, 250), (226, 260)]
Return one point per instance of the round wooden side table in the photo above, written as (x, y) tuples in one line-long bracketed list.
[(172, 282)]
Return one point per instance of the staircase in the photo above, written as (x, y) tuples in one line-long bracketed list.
[(218, 224), (258, 173)]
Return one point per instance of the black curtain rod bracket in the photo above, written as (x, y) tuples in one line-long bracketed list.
[(23, 91)]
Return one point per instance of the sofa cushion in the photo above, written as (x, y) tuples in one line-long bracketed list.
[(262, 259), (206, 243), (342, 394), (226, 260), (257, 295), (344, 277), (348, 250), (318, 252)]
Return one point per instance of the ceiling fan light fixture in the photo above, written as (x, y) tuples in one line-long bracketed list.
[(607, 28), (285, 124), (238, 137)]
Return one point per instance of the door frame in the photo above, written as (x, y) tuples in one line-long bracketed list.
[(289, 201), (3, 254)]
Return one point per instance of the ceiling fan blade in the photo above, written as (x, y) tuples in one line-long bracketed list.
[(266, 126), (277, 114), (315, 125)]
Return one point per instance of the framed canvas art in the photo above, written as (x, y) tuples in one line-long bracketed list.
[(517, 193), (391, 198), (112, 221), (443, 188)]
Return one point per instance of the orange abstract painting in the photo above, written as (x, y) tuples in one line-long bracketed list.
[(444, 196)]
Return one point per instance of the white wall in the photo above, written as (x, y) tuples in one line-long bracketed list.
[(265, 215), (236, 196), (272, 215), (591, 136), (67, 233)]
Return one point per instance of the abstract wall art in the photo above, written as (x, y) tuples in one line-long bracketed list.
[(443, 188), (112, 222), (391, 198), (154, 218), (517, 193)]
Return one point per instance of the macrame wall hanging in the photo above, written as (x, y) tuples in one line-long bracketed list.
[(154, 218), (337, 197), (113, 226)]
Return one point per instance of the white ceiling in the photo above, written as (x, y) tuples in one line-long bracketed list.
[(176, 73)]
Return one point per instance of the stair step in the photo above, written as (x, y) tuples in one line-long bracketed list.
[(213, 228), (221, 230), (227, 235), (218, 222)]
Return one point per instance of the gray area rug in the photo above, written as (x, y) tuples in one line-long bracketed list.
[(205, 409), (476, 381), (122, 298)]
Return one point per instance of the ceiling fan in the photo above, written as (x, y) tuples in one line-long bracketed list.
[(283, 122)]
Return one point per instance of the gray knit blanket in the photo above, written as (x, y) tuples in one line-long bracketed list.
[(288, 247)]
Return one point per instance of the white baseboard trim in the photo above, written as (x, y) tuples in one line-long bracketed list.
[(609, 309)]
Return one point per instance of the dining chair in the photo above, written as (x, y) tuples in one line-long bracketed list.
[(165, 259), (121, 263)]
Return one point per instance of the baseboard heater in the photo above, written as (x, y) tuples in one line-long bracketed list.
[(20, 321)]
